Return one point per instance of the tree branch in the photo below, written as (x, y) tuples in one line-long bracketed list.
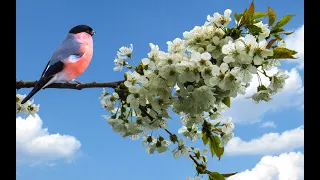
[(30, 84)]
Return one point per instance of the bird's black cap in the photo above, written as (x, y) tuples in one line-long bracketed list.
[(82, 28)]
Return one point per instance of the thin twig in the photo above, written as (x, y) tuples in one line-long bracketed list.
[(30, 84), (194, 160)]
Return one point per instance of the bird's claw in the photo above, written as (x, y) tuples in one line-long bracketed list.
[(78, 82)]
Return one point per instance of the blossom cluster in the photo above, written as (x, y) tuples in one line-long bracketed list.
[(27, 108), (195, 78)]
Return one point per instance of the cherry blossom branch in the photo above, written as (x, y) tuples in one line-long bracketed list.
[(30, 84), (171, 134)]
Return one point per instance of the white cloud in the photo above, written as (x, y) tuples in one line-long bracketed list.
[(35, 145), (283, 167), (247, 111), (295, 41), (268, 144), (268, 124)]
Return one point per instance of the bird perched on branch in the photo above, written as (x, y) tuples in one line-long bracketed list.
[(69, 60)]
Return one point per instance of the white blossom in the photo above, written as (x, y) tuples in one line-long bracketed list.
[(233, 51), (126, 51), (244, 73), (176, 46), (201, 154), (192, 133), (278, 80), (194, 178), (181, 149), (220, 20), (262, 95), (261, 52), (26, 108), (158, 145), (265, 30)]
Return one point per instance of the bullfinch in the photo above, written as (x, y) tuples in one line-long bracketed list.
[(69, 60)]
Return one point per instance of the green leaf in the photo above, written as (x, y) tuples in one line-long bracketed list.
[(278, 30), (226, 101), (287, 33), (229, 174), (216, 125), (249, 13), (283, 21), (205, 138), (282, 53), (220, 152), (272, 16), (237, 16), (216, 176), (254, 29), (214, 146), (257, 15)]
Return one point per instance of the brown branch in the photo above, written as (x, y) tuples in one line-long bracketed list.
[(194, 160), (30, 84)]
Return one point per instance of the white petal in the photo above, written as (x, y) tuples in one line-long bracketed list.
[(228, 48), (130, 98), (215, 70), (228, 59), (215, 40), (224, 67), (250, 39), (227, 12), (145, 61), (263, 44), (252, 69), (205, 56), (135, 137), (176, 154), (182, 130), (257, 60)]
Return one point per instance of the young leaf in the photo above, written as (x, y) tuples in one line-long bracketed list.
[(272, 16), (205, 138), (226, 101), (216, 176), (257, 15), (249, 13), (216, 125), (229, 174), (254, 29), (283, 21), (282, 53)]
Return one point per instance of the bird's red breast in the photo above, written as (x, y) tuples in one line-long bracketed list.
[(75, 69)]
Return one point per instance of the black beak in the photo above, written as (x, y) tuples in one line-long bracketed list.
[(92, 33)]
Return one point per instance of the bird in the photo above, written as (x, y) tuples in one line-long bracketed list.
[(69, 60)]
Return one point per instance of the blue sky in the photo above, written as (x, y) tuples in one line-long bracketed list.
[(41, 27)]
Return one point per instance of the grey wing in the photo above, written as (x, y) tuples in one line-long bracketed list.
[(68, 50)]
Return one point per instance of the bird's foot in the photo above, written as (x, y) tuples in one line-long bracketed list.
[(67, 82), (77, 81)]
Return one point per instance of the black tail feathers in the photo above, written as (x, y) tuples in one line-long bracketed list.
[(43, 81)]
